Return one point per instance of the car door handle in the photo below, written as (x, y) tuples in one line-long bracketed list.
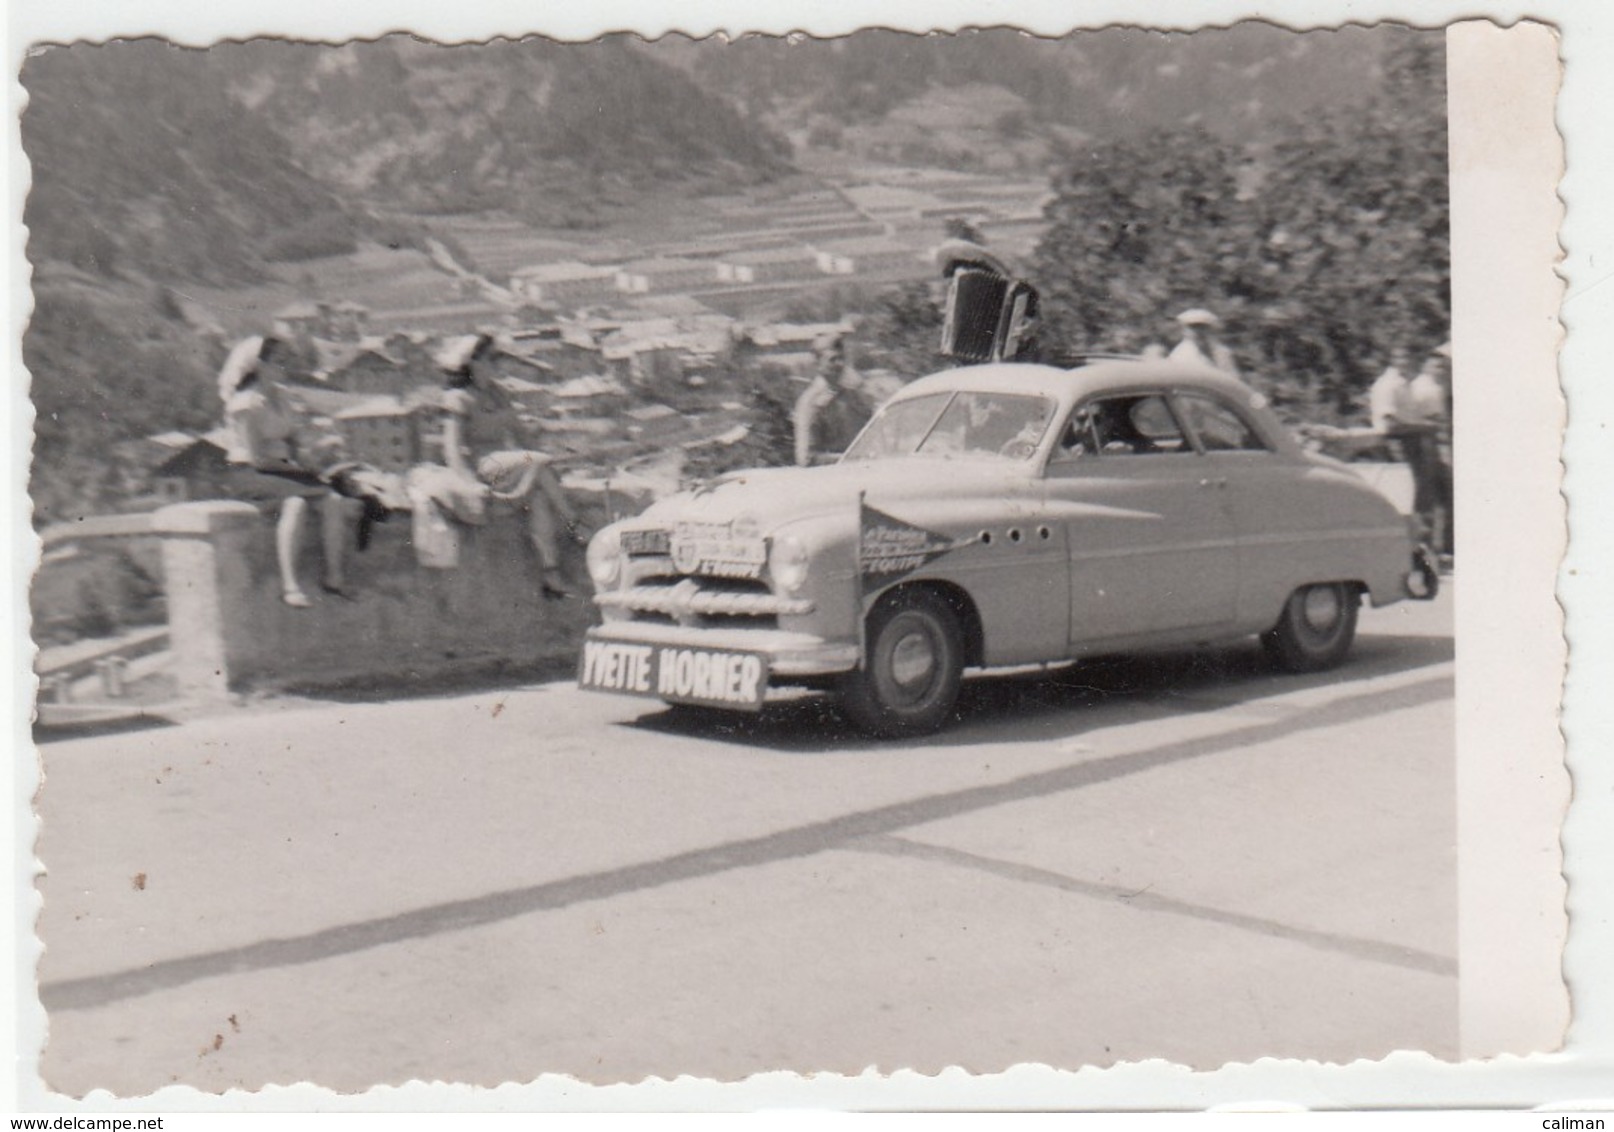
[(1213, 483)]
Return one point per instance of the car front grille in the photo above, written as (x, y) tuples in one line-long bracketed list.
[(703, 602)]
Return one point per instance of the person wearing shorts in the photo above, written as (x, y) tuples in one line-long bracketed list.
[(264, 469)]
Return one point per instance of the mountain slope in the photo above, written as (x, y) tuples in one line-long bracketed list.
[(155, 166), (553, 132), (861, 91), (143, 165)]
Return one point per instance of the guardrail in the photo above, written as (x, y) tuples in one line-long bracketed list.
[(61, 669), (64, 670), (79, 554), (136, 525)]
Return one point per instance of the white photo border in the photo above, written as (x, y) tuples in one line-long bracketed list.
[(1522, 700)]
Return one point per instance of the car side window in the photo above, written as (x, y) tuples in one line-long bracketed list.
[(1218, 427), (1133, 425)]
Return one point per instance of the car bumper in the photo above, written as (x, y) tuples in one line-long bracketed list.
[(789, 654)]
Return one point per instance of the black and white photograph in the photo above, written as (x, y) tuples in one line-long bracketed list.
[(706, 555)]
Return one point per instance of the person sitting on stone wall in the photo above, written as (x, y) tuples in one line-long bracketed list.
[(267, 468), (483, 441)]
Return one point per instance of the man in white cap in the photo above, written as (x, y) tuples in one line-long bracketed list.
[(1202, 344), (1431, 389), (1390, 401)]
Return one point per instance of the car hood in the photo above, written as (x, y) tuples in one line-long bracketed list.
[(774, 497)]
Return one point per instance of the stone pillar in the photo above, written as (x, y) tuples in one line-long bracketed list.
[(205, 573)]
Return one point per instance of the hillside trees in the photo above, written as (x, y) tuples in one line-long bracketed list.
[(1138, 230), (1355, 251), (901, 331), (861, 78), (1320, 252), (106, 371)]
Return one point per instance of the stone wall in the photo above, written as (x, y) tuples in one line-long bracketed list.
[(231, 631)]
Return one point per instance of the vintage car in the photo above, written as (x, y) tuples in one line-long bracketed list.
[(998, 515)]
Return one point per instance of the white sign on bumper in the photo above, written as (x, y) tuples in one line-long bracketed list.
[(675, 673)]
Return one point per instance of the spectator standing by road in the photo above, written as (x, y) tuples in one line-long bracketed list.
[(1431, 396), (267, 468), (1202, 342), (1390, 397), (1400, 415), (832, 409)]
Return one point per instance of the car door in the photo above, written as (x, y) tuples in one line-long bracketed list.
[(1287, 530), (1151, 545)]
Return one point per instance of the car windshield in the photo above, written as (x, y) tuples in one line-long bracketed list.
[(1006, 425)]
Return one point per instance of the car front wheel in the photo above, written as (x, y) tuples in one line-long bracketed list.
[(1316, 628), (912, 668)]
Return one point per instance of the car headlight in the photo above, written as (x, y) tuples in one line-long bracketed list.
[(788, 562), (605, 559)]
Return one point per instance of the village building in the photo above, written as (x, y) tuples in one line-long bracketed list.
[(665, 273), (388, 433), (392, 366), (415, 351), (651, 351), (769, 265), (192, 472), (520, 368), (791, 346), (654, 423), (566, 286), (594, 395), (370, 369), (769, 338), (561, 352), (299, 322), (146, 452), (513, 362), (347, 321), (521, 390), (133, 464), (306, 320), (578, 435), (320, 403), (865, 256)]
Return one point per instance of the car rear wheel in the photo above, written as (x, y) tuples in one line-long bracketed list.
[(912, 668), (1316, 628)]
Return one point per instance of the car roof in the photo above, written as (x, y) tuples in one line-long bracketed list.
[(1104, 377), (1110, 375)]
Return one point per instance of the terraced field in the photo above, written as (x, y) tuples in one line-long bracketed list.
[(403, 289), (379, 278)]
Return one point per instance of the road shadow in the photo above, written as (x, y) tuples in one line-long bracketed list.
[(425, 682), (854, 829), (1051, 703)]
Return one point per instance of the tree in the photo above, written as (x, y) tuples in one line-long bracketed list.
[(1319, 252), (1138, 231), (901, 332), (963, 228), (769, 396), (1355, 255)]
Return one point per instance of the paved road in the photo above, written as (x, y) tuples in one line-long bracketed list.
[(1192, 858)]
